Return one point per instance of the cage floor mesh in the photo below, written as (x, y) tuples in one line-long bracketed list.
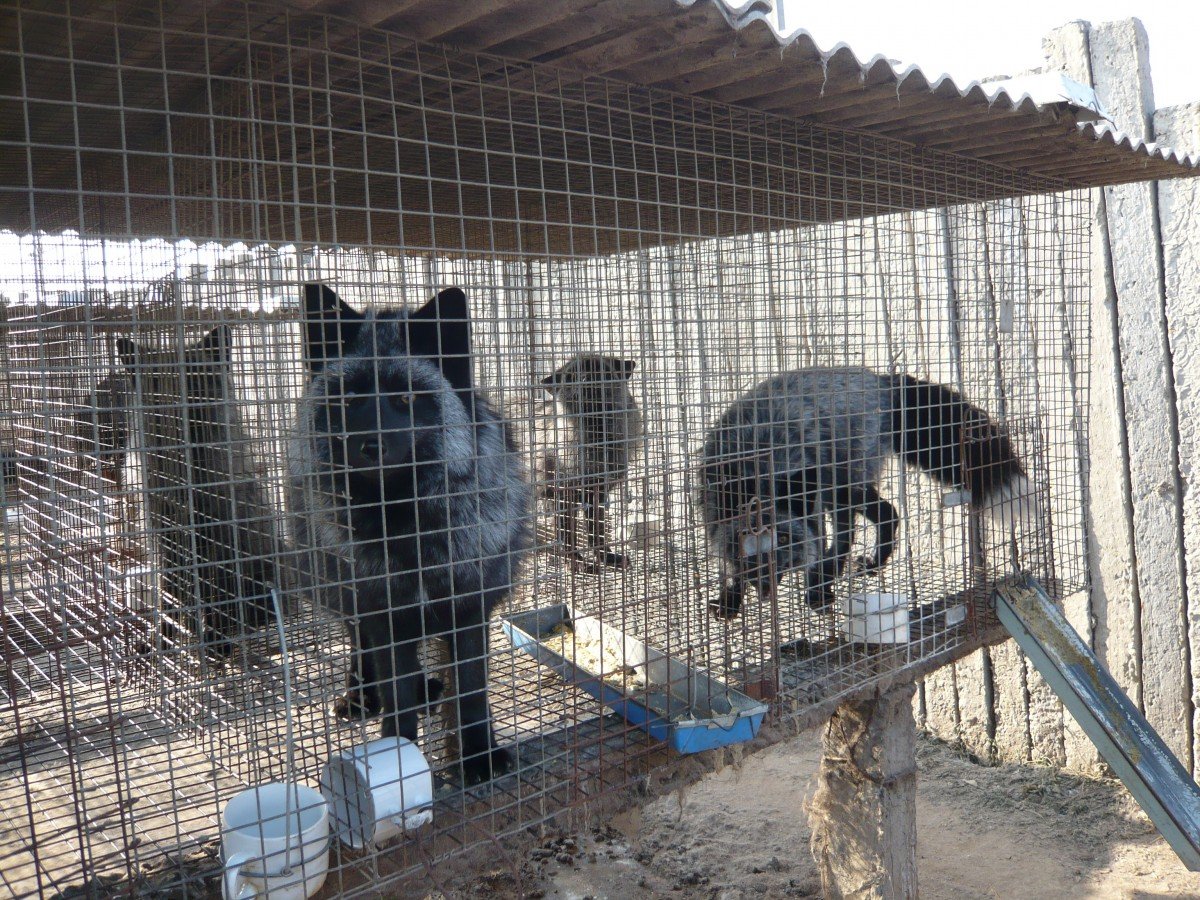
[(87, 750)]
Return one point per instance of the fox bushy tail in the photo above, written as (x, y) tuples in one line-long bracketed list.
[(934, 428)]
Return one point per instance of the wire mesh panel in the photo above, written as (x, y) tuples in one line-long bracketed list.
[(348, 378)]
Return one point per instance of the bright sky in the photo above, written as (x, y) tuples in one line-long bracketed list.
[(970, 41)]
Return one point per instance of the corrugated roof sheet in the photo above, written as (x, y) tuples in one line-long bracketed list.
[(783, 131), (730, 52)]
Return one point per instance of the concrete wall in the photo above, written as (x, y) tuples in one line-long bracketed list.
[(1143, 513)]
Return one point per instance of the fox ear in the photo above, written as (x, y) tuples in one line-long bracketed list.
[(627, 367), (551, 381), (329, 326), (129, 353), (441, 330)]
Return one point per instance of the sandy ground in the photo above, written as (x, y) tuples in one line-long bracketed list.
[(1007, 832)]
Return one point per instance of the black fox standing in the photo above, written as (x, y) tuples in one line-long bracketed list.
[(411, 507), (590, 444), (212, 524), (811, 443)]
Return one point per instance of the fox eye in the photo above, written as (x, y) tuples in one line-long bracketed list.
[(405, 399)]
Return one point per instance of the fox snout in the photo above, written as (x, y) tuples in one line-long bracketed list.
[(378, 450), (375, 432)]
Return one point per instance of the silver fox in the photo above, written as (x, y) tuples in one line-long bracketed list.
[(411, 507), (212, 523), (103, 429), (810, 444), (590, 444)]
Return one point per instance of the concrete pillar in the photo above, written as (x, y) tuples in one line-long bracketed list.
[(1136, 551), (1121, 75), (1178, 127)]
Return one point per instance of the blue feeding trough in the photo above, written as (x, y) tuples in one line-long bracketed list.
[(675, 703)]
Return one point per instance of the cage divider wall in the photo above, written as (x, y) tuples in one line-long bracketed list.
[(220, 160)]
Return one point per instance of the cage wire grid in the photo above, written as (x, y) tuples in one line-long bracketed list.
[(221, 159)]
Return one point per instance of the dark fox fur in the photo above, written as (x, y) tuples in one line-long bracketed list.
[(9, 472), (411, 506), (811, 443), (212, 524), (103, 428), (588, 448)]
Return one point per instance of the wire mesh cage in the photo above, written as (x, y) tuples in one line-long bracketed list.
[(706, 376)]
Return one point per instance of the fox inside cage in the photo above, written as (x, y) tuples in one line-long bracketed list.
[(690, 413)]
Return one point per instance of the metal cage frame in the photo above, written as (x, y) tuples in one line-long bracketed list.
[(710, 245)]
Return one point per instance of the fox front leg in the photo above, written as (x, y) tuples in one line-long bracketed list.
[(481, 757), (597, 517), (729, 600), (361, 700), (819, 581), (566, 514), (400, 688)]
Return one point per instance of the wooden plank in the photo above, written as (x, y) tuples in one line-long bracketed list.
[(975, 722), (864, 812)]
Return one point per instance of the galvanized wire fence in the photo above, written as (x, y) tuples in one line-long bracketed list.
[(664, 257)]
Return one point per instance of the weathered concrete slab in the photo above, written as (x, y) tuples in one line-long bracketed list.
[(1179, 231), (1110, 58), (1121, 76)]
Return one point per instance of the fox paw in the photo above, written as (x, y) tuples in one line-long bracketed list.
[(866, 564), (360, 703), (582, 565), (357, 704), (615, 560), (728, 603), (487, 765)]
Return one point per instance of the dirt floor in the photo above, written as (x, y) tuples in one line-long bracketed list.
[(985, 832)]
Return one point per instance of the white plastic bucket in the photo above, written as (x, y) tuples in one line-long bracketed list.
[(275, 842), (378, 790), (875, 619)]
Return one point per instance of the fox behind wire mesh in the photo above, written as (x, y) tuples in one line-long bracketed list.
[(9, 473), (411, 507), (810, 444), (588, 446), (213, 528), (103, 426)]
